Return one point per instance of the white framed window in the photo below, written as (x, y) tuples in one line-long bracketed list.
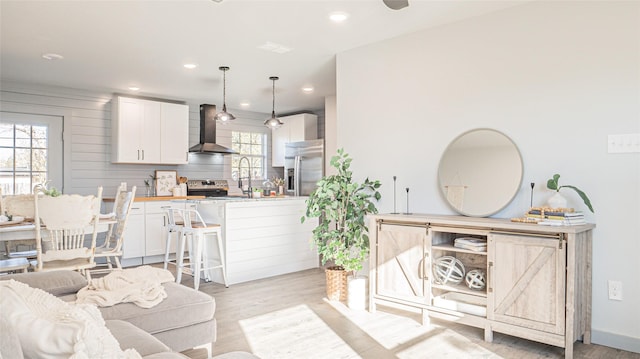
[(253, 146), (31, 152)]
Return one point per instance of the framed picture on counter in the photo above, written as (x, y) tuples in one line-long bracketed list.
[(165, 181)]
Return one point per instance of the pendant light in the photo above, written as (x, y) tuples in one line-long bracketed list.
[(224, 116), (273, 122)]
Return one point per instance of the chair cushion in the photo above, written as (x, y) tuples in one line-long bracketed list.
[(183, 307), (57, 283)]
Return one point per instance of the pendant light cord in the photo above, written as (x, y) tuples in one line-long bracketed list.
[(273, 102), (224, 89)]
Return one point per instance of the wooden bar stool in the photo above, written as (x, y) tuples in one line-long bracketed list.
[(197, 231)]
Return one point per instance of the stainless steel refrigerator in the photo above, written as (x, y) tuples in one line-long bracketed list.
[(303, 166)]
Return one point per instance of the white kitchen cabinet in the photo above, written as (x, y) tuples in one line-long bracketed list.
[(538, 278), (145, 234), (133, 245), (144, 131), (155, 228), (296, 128), (174, 132)]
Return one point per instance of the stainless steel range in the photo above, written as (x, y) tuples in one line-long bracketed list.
[(208, 188)]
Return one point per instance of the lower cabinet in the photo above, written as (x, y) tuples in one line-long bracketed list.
[(402, 263), (524, 280), (527, 282), (133, 245), (146, 233)]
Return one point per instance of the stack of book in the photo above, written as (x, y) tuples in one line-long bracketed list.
[(470, 243), (556, 216)]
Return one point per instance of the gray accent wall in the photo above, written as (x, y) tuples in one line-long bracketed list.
[(87, 138)]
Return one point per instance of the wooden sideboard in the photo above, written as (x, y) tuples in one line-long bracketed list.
[(537, 278)]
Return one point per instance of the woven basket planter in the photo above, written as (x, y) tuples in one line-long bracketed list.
[(336, 283)]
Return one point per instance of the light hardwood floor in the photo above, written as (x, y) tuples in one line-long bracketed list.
[(289, 317)]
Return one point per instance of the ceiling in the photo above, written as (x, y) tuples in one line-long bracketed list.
[(109, 46)]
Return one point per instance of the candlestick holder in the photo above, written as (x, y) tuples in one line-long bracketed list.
[(394, 196), (407, 201)]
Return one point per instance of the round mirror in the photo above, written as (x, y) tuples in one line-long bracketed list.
[(480, 172)]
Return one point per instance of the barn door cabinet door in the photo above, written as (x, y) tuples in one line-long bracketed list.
[(527, 281), (402, 262)]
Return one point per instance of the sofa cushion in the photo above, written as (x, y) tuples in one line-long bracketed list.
[(56, 282), (183, 307), (130, 336), (166, 355), (236, 355)]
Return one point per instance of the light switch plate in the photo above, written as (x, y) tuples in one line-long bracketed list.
[(627, 143)]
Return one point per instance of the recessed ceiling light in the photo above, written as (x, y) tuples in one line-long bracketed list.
[(245, 104), (52, 56), (190, 66), (338, 16), (134, 88), (307, 89)]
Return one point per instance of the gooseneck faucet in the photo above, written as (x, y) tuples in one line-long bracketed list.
[(249, 191)]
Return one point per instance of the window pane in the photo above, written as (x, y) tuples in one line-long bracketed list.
[(39, 160), (245, 137), (235, 136), (23, 135), (256, 138), (6, 134), (23, 159), (38, 177), (39, 133), (6, 159)]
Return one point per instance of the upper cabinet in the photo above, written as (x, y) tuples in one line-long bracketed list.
[(145, 131), (174, 133), (296, 128)]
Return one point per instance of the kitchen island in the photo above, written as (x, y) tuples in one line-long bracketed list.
[(262, 237)]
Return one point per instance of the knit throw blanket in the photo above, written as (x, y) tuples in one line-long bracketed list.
[(141, 286)]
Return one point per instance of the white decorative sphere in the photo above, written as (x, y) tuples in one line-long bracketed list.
[(448, 269), (475, 279)]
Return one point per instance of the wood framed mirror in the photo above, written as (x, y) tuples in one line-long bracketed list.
[(480, 172)]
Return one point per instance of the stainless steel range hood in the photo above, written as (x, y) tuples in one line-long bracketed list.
[(208, 143)]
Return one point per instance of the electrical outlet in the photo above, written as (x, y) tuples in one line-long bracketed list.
[(615, 290)]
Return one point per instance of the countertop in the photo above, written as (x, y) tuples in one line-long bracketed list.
[(191, 198), (156, 198)]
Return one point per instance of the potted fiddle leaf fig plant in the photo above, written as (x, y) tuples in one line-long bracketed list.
[(558, 202), (341, 205)]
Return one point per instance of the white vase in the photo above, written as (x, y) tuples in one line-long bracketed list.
[(357, 292), (557, 201)]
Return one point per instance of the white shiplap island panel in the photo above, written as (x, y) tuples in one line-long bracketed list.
[(264, 238)]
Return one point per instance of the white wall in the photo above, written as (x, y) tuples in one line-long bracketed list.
[(556, 77)]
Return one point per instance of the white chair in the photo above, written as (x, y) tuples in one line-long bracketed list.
[(174, 226), (61, 225), (196, 231), (19, 205), (112, 246)]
